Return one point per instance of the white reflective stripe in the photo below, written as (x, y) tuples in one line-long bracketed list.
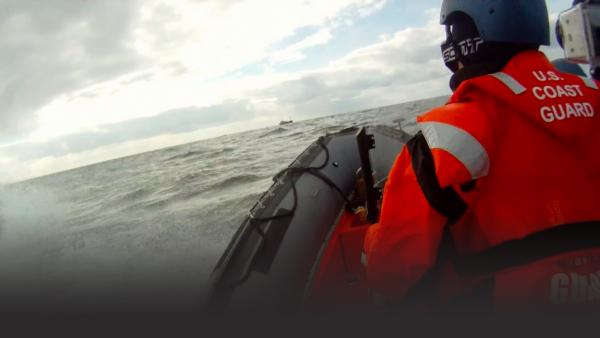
[(460, 144), (363, 259), (510, 82), (590, 83)]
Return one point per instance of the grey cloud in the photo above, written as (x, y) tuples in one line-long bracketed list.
[(169, 122), (297, 91), (325, 94), (350, 87), (142, 77), (343, 89), (415, 55), (55, 47), (223, 3), (407, 54)]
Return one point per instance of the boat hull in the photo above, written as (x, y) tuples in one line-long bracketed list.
[(300, 247)]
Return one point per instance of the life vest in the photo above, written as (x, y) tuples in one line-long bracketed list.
[(526, 140)]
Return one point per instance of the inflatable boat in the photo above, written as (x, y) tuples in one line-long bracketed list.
[(300, 246)]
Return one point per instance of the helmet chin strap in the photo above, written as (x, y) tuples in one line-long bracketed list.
[(451, 52)]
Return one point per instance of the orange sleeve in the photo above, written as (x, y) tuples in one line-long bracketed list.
[(404, 244), (449, 170)]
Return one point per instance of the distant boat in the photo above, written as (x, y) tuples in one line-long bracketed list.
[(285, 122)]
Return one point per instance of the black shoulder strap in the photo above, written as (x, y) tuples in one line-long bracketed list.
[(446, 201), (551, 242)]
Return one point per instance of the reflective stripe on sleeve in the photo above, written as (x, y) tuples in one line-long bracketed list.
[(446, 201), (510, 82), (363, 259), (590, 83), (460, 144)]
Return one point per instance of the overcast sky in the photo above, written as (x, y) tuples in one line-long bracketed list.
[(87, 81)]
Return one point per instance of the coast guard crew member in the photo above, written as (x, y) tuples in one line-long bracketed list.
[(507, 173)]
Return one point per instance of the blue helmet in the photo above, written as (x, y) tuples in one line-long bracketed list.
[(512, 21)]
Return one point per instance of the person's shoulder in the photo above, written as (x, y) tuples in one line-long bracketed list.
[(453, 109)]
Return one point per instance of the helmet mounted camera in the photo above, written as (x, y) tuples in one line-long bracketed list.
[(578, 32)]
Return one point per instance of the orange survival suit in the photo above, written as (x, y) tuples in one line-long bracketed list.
[(509, 169)]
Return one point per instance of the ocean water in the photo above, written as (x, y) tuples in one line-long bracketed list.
[(150, 227)]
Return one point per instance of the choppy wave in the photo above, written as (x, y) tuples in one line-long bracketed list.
[(273, 132), (236, 180), (205, 153), (186, 155), (190, 178), (135, 195)]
